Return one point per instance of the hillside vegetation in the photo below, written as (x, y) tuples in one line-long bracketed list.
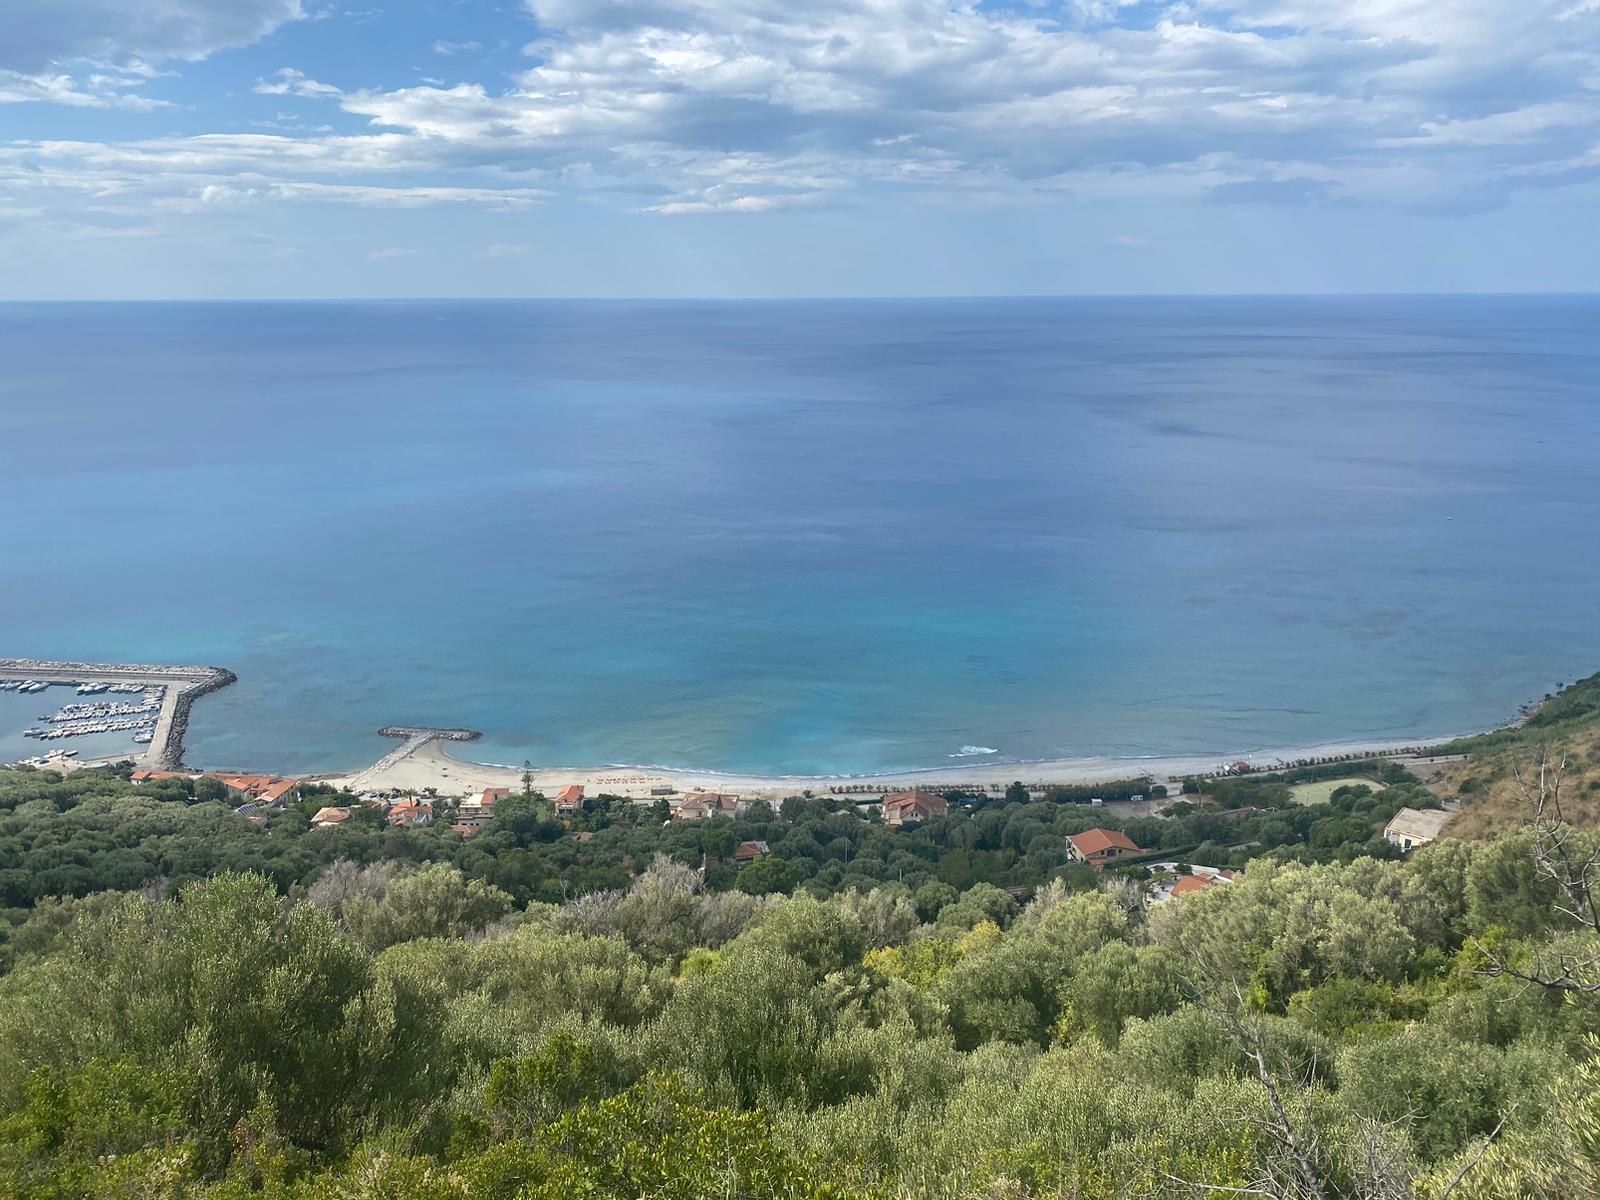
[(403, 1034), (197, 1007), (1564, 727), (206, 1010)]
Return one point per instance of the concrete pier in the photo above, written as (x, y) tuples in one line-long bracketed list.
[(184, 685), (413, 738)]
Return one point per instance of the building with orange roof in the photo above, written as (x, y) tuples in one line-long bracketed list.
[(570, 798), (905, 808), (709, 804), (326, 817), (483, 806), (1189, 884), (1097, 847), (409, 814), (279, 793), (268, 790)]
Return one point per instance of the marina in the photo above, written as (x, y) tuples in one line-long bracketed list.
[(154, 716), (99, 717)]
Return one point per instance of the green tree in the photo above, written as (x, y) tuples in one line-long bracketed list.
[(719, 841), (766, 876)]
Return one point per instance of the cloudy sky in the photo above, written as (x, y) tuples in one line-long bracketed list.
[(170, 148)]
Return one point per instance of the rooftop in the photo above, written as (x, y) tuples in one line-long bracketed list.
[(1094, 842), (1418, 824)]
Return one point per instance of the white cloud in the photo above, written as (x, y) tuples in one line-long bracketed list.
[(286, 81), (737, 204), (40, 34), (746, 106), (102, 89), (685, 95)]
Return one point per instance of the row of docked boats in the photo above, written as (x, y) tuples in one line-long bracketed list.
[(148, 708), (143, 729), (104, 716), (84, 689)]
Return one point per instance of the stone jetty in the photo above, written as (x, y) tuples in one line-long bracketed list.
[(408, 732), (183, 686), (413, 738)]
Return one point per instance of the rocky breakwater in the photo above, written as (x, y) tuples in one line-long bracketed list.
[(171, 748), (411, 732)]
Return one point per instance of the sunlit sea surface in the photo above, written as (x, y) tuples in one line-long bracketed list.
[(805, 537)]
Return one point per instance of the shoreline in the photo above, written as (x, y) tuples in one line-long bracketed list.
[(430, 765)]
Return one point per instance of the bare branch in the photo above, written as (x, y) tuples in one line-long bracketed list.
[(1466, 1167)]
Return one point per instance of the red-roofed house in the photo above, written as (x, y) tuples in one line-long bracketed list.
[(1190, 883), (748, 852), (145, 776), (903, 808), (1097, 847), (409, 814), (267, 790), (570, 798), (330, 816), (708, 804), (483, 806), (279, 793)]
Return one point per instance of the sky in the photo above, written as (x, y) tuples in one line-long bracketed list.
[(732, 148)]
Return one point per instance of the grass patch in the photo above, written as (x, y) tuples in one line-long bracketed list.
[(1322, 790)]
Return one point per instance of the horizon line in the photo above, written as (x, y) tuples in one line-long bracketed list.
[(886, 297)]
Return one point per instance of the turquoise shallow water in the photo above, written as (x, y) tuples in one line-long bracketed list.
[(810, 537)]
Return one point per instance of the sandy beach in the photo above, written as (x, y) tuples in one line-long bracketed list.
[(432, 766)]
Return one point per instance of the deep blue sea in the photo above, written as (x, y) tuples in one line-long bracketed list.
[(806, 537)]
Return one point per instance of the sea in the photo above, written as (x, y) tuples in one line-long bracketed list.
[(809, 537)]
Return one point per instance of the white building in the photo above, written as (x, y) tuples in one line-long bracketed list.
[(1413, 827)]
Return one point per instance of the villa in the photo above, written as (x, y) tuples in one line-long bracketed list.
[(905, 808), (709, 804), (1097, 847), (483, 806)]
